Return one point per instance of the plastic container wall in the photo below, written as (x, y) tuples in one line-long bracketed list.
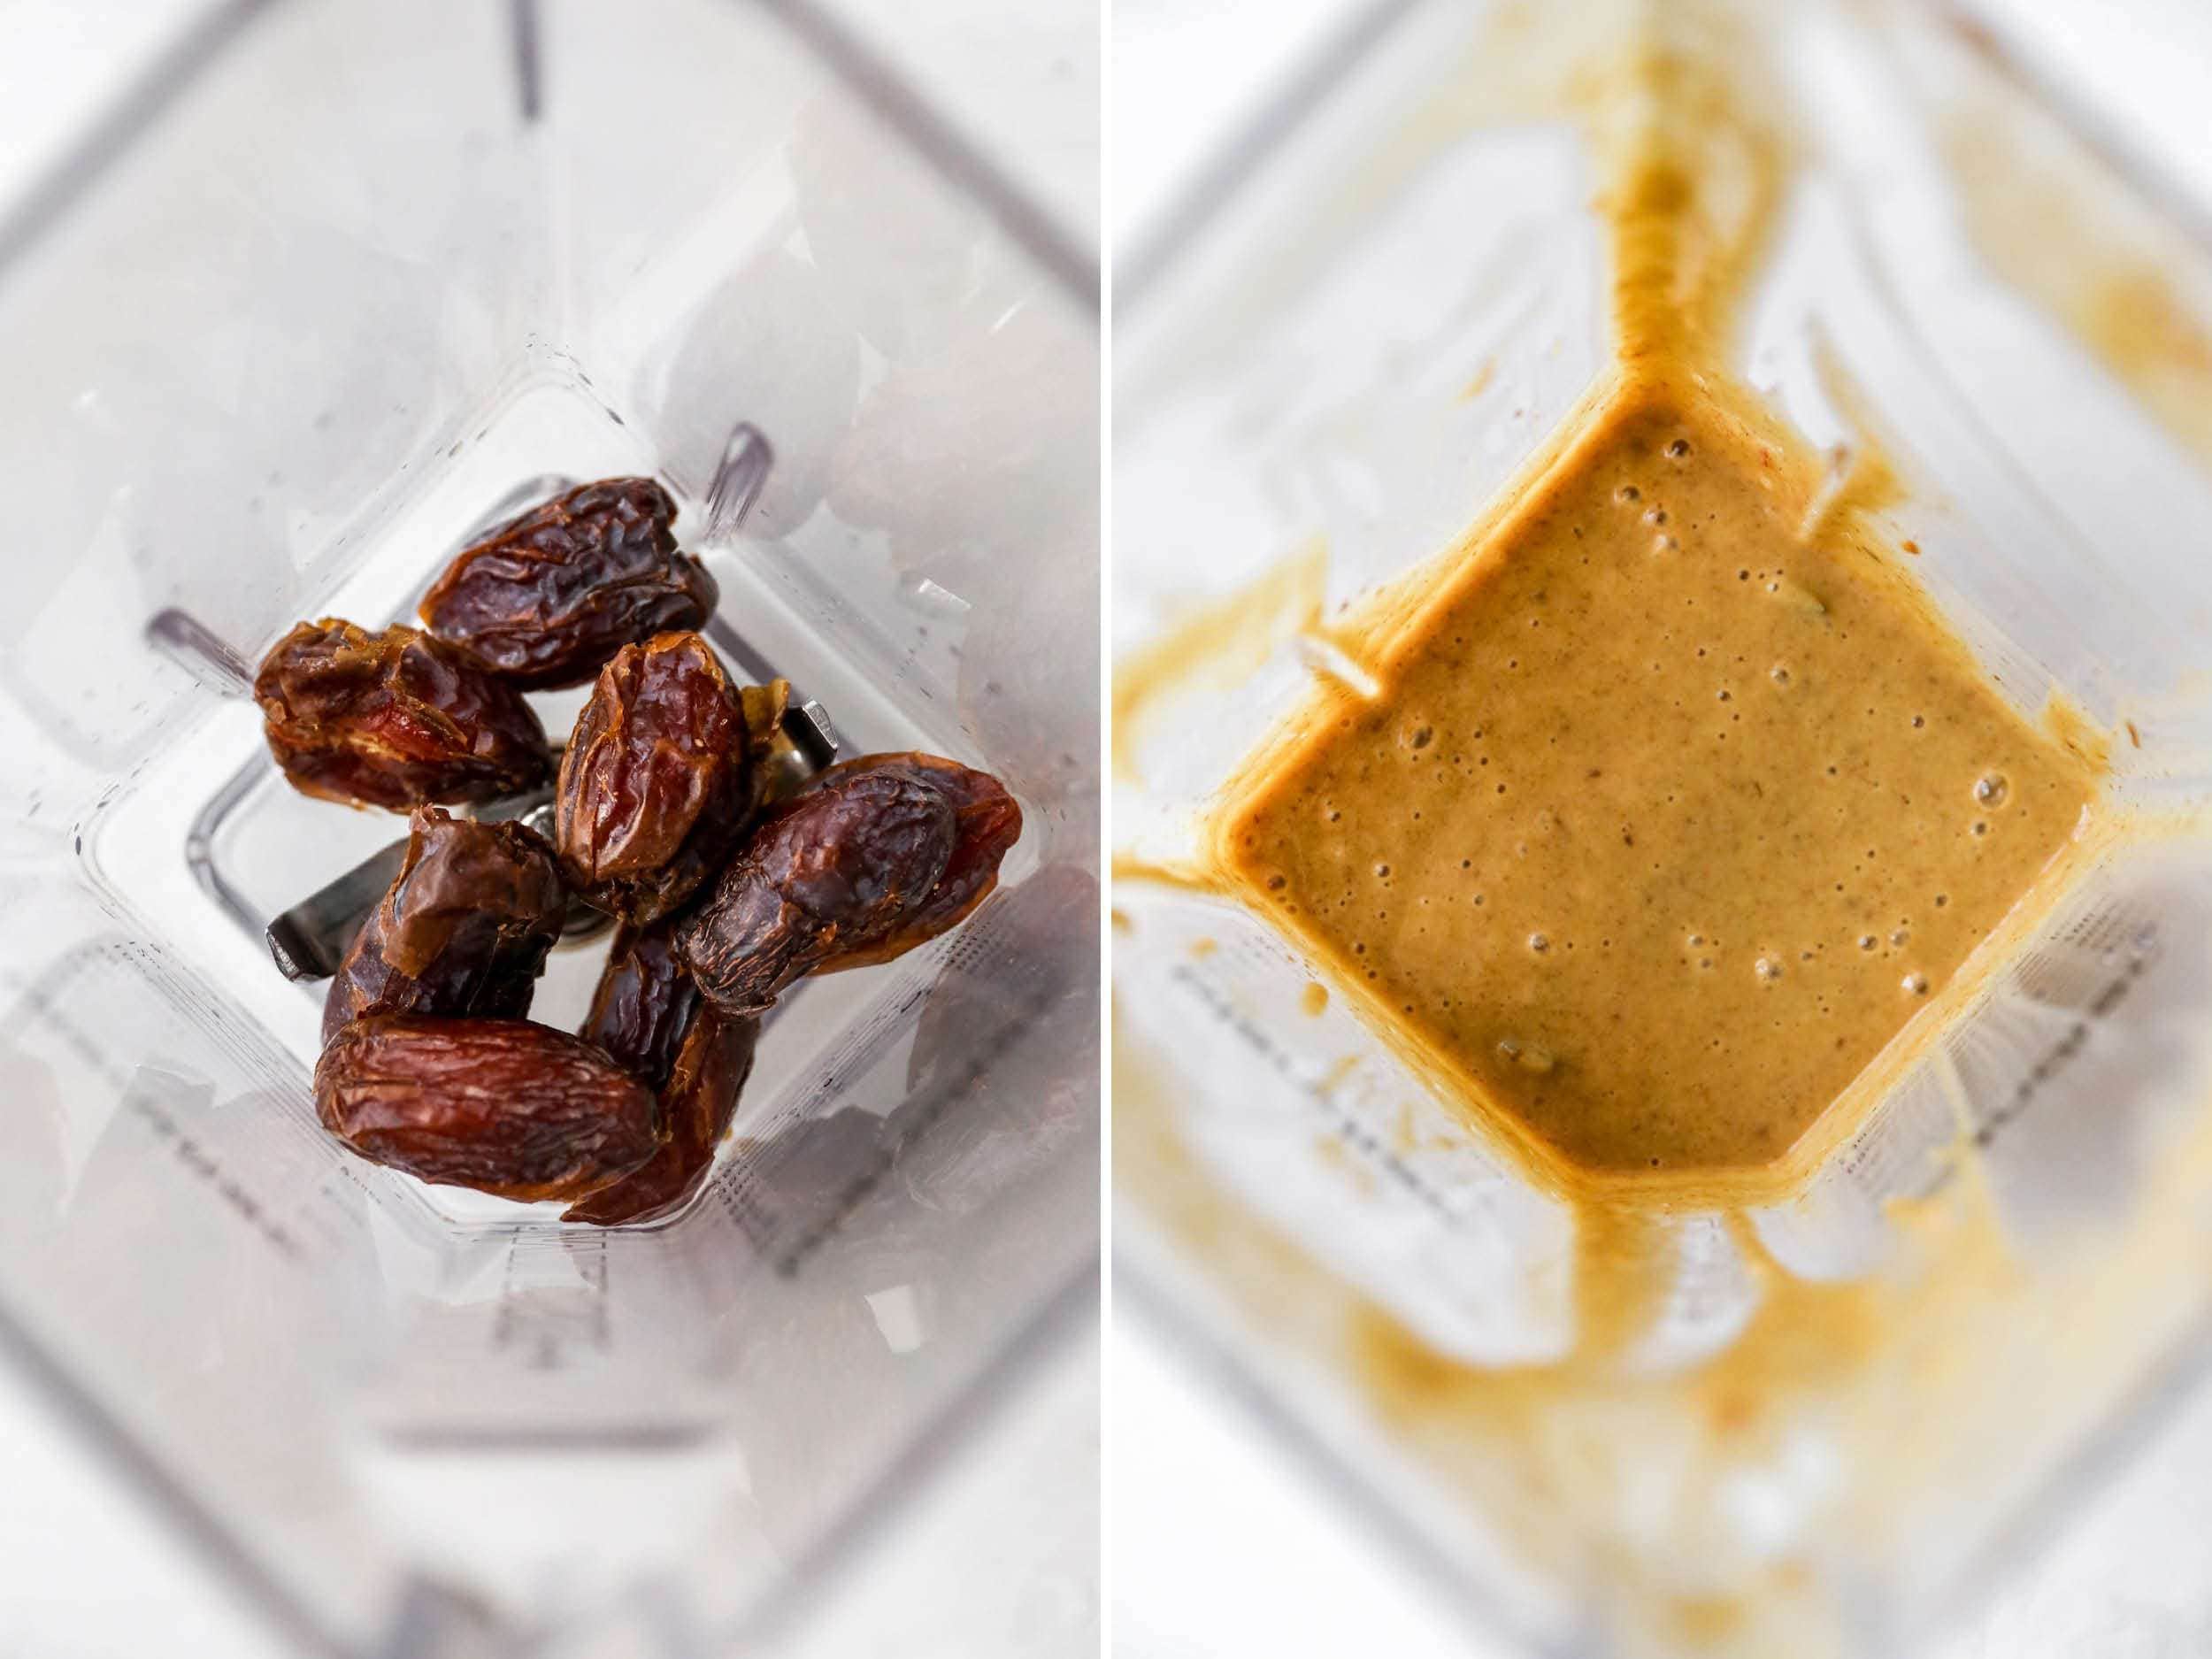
[(351, 280), (1400, 295)]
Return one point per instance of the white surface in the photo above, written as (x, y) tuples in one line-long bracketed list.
[(85, 1571), (1000, 1556), (1187, 73), (1221, 1547)]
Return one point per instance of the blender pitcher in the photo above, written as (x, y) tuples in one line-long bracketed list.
[(349, 283), (1848, 1394)]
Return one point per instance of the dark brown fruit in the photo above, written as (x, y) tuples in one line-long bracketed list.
[(986, 823), (505, 1106), (644, 1004), (463, 929), (697, 1103), (872, 858), (549, 597), (659, 779), (394, 719)]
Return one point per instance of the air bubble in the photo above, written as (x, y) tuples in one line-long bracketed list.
[(1990, 788), (1696, 939), (1767, 969), (1779, 674), (1900, 936), (1528, 1055), (1382, 871), (1916, 984), (1420, 737), (1538, 943), (1628, 492), (1867, 942), (1679, 448), (1980, 828)]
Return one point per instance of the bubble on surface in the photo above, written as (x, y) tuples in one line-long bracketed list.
[(1528, 1055)]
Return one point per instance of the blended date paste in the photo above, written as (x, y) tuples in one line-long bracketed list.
[(1666, 816)]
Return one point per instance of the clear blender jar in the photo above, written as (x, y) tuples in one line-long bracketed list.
[(1855, 1397), (348, 283)]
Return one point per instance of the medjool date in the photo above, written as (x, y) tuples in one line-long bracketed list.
[(548, 598), (658, 780), (505, 1106), (463, 929), (872, 858), (987, 822), (394, 719), (697, 1102), (643, 1005)]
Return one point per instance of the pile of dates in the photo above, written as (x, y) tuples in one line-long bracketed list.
[(666, 816)]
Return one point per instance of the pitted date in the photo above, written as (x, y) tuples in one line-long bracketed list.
[(986, 823), (648, 1015), (547, 599), (697, 1102), (505, 1106), (464, 928), (872, 858), (394, 719), (644, 1004), (658, 780)]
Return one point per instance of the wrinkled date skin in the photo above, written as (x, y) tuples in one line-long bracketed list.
[(659, 779), (505, 1106), (697, 1102), (986, 823), (872, 858), (547, 599), (394, 719), (644, 1004), (464, 928)]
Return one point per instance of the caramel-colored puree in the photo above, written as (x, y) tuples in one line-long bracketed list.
[(1663, 819)]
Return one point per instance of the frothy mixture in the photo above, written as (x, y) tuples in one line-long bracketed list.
[(1676, 803)]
